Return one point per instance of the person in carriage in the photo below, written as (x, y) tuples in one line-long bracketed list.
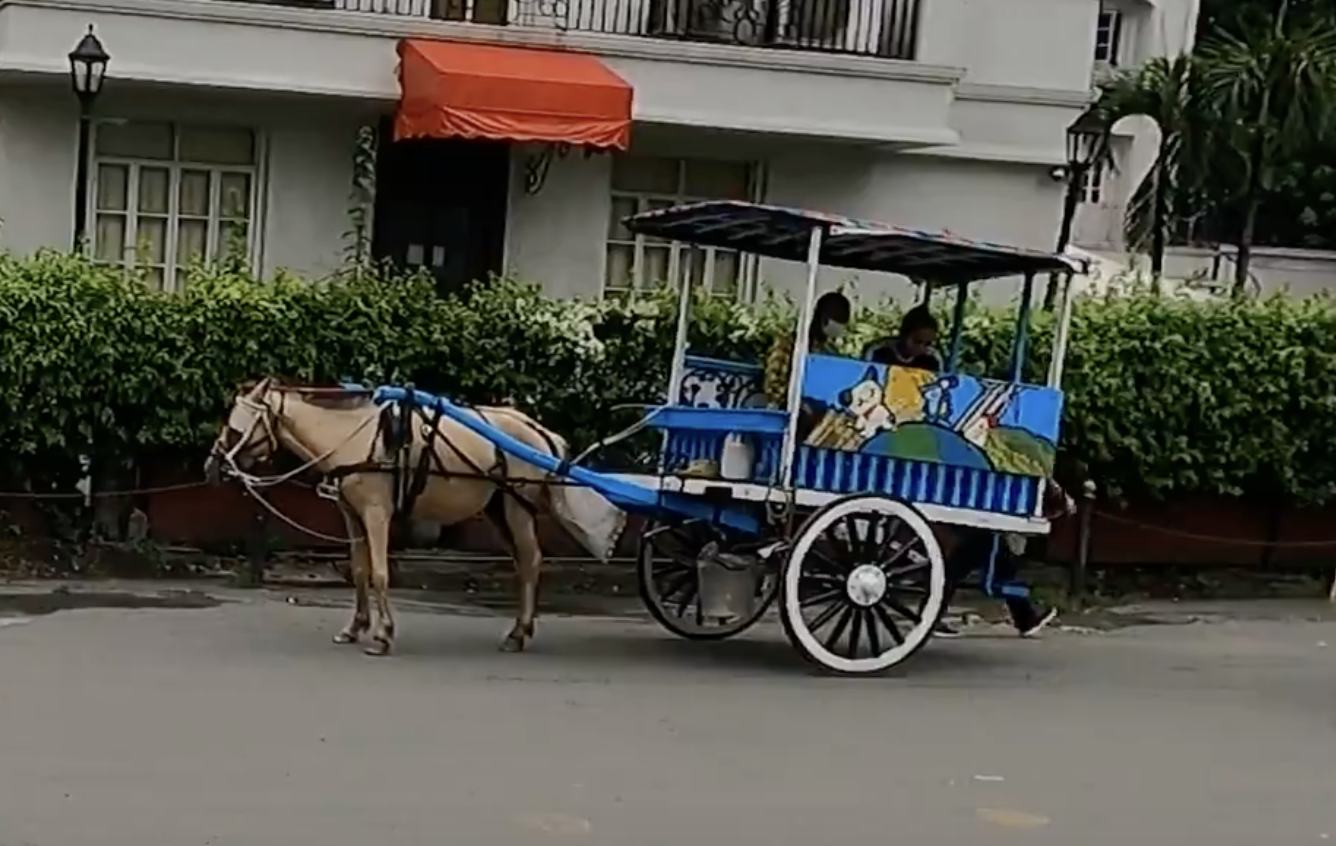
[(915, 345)]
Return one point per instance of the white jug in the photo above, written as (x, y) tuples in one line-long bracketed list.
[(736, 462)]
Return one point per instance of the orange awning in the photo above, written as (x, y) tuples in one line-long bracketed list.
[(457, 90)]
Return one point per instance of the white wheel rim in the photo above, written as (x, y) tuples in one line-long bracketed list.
[(932, 608)]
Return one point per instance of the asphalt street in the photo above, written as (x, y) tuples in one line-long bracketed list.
[(234, 721)]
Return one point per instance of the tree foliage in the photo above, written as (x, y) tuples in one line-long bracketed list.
[(1247, 155), (1163, 396)]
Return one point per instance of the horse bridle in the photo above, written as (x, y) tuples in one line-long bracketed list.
[(248, 413)]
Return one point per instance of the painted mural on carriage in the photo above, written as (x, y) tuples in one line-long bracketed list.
[(913, 414)]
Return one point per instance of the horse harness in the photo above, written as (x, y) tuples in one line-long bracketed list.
[(396, 437)]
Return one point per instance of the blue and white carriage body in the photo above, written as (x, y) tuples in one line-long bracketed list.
[(720, 399)]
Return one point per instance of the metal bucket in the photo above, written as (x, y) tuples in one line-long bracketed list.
[(727, 584)]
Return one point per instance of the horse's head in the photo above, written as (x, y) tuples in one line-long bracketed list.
[(249, 436)]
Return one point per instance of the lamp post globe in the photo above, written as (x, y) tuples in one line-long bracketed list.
[(88, 66)]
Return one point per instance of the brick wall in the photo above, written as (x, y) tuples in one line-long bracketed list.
[(219, 516)]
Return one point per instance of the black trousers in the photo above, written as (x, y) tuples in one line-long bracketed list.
[(970, 555)]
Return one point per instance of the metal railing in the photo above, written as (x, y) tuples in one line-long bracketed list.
[(885, 28)]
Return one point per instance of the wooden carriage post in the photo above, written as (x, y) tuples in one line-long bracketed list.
[(958, 325), (251, 574), (798, 365), (1076, 591)]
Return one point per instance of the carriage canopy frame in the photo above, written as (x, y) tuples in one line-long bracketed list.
[(933, 258)]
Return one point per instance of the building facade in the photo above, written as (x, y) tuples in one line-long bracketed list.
[(234, 126)]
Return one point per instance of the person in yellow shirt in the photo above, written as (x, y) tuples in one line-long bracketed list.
[(830, 320)]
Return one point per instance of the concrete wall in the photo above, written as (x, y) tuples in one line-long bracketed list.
[(306, 164), (555, 236), (1300, 273)]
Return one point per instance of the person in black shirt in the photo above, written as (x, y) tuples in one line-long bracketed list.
[(914, 346)]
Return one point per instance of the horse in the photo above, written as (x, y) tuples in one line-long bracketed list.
[(346, 436)]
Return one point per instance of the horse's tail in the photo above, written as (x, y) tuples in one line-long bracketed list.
[(586, 514)]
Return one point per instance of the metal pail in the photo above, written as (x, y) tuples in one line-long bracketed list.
[(727, 584)]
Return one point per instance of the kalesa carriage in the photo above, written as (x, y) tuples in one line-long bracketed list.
[(836, 522)]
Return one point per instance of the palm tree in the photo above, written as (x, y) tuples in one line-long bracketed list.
[(1276, 89), (1169, 91)]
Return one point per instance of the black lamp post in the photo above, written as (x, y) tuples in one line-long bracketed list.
[(88, 69), (1084, 141)]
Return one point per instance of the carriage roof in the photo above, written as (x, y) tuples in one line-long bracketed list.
[(783, 233)]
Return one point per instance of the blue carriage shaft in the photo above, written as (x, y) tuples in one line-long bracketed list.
[(624, 494)]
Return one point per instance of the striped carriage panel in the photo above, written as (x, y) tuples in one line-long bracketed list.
[(841, 472), (974, 489)]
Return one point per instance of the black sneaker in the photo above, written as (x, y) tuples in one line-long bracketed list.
[(945, 629), (1039, 625)]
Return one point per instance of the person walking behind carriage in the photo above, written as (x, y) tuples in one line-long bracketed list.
[(915, 346), (830, 320)]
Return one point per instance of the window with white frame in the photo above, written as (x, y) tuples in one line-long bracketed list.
[(1108, 36), (639, 263), (1092, 184), (168, 195)]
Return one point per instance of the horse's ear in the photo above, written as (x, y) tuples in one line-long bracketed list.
[(870, 375)]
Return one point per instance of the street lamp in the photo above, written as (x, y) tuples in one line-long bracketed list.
[(88, 69), (1085, 140)]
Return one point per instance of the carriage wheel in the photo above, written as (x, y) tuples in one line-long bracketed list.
[(670, 582), (863, 585)]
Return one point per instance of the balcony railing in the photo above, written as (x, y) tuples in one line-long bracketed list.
[(886, 28)]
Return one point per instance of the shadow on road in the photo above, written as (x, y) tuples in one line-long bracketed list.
[(62, 599)]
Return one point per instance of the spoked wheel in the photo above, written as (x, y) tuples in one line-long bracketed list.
[(669, 578), (863, 585)]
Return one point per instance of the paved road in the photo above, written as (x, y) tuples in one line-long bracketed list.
[(242, 724)]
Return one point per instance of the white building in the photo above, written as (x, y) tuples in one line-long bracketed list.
[(226, 122)]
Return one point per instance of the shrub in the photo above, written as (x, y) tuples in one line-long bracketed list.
[(1164, 396)]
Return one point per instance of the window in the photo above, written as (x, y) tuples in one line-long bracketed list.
[(1092, 184), (1108, 34), (167, 195), (637, 263)]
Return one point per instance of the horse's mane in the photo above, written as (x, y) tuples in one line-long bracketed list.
[(320, 395)]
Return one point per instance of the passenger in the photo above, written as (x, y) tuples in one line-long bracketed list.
[(914, 346), (830, 320)]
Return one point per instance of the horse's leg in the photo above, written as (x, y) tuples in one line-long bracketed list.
[(523, 530), (361, 569), (376, 524)]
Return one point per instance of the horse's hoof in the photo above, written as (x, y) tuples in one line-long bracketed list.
[(513, 643), (378, 648), (345, 637)]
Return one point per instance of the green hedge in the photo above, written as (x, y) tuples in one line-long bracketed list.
[(1164, 396)]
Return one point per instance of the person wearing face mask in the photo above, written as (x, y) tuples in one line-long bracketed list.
[(830, 320)]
